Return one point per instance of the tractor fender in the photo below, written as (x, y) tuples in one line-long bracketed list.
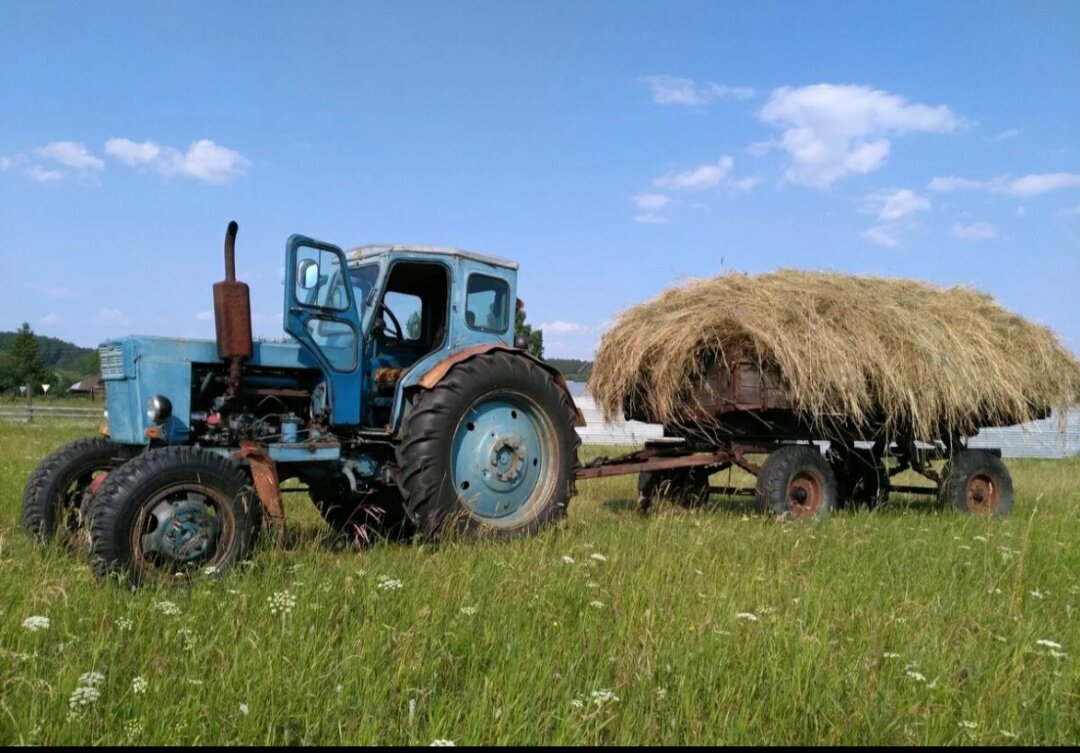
[(436, 373)]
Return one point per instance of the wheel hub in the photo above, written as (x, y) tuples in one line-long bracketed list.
[(507, 458), (184, 531), (982, 494), (805, 495)]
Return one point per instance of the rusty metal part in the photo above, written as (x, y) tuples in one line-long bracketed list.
[(982, 494), (739, 459), (805, 495), (911, 489), (232, 316), (641, 463), (267, 486), (435, 374), (387, 377)]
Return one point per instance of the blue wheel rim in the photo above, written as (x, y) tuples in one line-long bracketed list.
[(503, 459)]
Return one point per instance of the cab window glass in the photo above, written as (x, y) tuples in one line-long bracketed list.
[(487, 304)]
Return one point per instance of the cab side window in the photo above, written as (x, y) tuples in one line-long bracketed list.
[(487, 304)]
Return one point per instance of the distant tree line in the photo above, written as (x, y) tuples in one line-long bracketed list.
[(29, 359), (573, 369)]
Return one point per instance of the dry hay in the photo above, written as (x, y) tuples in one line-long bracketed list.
[(897, 353)]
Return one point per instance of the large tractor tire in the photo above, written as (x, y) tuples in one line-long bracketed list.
[(796, 482), (175, 511), (686, 487), (361, 518), (56, 498), (490, 449), (976, 482)]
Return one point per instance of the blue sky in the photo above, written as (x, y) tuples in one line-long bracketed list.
[(613, 148)]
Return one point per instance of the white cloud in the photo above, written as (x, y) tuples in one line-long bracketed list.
[(761, 148), (698, 178), (833, 131), (110, 317), (1028, 185), (6, 163), (672, 90), (882, 235), (43, 175), (1021, 211), (650, 206), (746, 184), (976, 231), (1008, 133), (50, 318), (204, 316), (204, 160), (895, 205), (71, 154), (560, 327)]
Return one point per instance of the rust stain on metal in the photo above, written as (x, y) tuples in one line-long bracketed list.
[(644, 462), (267, 486), (232, 316), (387, 377)]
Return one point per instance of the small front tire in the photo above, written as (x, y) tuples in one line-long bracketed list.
[(795, 481), (976, 482)]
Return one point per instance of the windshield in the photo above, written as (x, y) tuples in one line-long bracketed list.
[(363, 279)]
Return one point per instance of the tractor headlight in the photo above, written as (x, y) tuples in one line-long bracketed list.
[(158, 409)]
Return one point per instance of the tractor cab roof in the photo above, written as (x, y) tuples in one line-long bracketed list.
[(375, 249)]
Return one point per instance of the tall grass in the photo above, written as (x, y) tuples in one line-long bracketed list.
[(903, 626)]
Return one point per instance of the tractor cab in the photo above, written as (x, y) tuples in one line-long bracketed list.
[(379, 317)]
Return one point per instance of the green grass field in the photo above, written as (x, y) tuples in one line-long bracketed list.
[(903, 626)]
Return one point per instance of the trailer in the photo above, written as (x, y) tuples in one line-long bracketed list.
[(742, 409)]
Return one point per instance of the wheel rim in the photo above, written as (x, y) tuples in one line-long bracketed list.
[(982, 494), (805, 495), (503, 459), (183, 528)]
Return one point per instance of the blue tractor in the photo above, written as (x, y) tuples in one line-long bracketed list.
[(403, 402)]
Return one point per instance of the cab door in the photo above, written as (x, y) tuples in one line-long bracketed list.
[(321, 313)]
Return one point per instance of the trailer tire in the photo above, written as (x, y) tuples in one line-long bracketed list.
[(361, 519), (489, 449), (56, 495), (796, 482), (137, 531), (976, 482)]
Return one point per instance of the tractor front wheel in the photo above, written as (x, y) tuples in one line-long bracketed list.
[(56, 496), (490, 449), (175, 511)]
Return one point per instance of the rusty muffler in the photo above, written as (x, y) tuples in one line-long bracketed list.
[(232, 316)]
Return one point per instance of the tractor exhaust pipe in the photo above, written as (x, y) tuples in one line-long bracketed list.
[(232, 316)]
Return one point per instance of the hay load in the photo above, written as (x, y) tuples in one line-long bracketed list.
[(888, 353)]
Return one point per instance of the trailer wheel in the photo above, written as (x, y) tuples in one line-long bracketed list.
[(361, 519), (861, 475), (795, 481), (175, 511), (491, 448), (686, 487), (55, 499), (976, 482)]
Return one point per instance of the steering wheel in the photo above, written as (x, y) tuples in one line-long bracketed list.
[(398, 333)]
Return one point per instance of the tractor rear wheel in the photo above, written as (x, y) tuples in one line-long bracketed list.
[(175, 511), (361, 518), (976, 482), (490, 449), (795, 481), (56, 496)]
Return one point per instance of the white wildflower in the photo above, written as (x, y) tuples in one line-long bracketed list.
[(388, 584), (598, 557), (596, 604), (1037, 594), (282, 602), (125, 624), (916, 676), (1007, 734), (968, 725), (133, 728), (167, 607), (890, 655), (567, 559), (747, 616), (91, 679), (601, 697), (1056, 654), (1048, 644), (592, 584), (442, 744), (980, 538), (577, 703), (36, 623), (83, 697), (469, 611), (661, 693), (139, 685), (244, 709)]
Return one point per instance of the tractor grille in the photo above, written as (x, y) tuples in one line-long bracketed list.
[(112, 362)]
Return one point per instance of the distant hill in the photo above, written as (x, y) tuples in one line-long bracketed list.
[(571, 368), (60, 355)]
